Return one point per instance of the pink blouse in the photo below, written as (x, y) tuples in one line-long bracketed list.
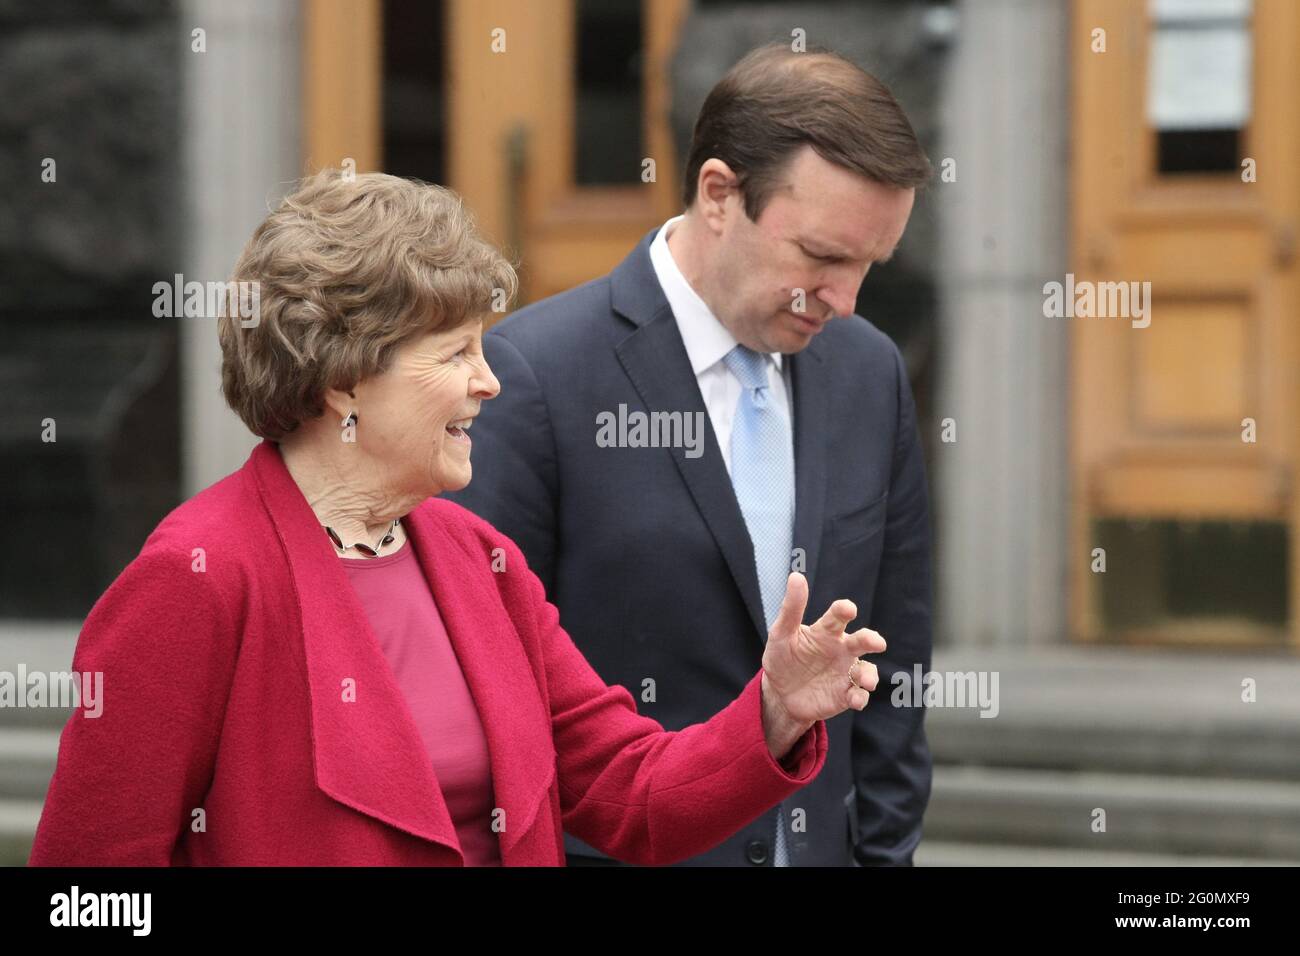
[(410, 630)]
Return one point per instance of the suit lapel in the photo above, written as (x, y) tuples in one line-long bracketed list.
[(655, 360), (811, 402)]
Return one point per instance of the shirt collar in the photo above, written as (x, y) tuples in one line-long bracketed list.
[(706, 339)]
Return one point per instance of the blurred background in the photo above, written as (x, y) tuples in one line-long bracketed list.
[(1115, 507)]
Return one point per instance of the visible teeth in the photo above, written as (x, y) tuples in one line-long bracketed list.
[(463, 424)]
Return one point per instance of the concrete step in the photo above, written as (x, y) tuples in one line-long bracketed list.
[(940, 853), (1070, 742), (18, 819), (1194, 816), (44, 646), (977, 816), (1126, 711), (1186, 770), (27, 759)]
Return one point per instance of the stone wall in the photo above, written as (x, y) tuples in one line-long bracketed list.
[(91, 85)]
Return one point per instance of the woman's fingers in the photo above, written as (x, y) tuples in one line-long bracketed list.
[(837, 617), (865, 675), (792, 606), (850, 645), (865, 641)]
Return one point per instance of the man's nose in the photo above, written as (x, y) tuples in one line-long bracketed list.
[(839, 301)]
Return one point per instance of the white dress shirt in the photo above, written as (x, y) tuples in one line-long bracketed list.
[(707, 343)]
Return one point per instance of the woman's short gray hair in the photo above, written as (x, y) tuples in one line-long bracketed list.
[(348, 269)]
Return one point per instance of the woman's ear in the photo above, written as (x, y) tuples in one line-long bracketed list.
[(339, 404)]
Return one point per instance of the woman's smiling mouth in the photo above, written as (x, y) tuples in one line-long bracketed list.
[(459, 430)]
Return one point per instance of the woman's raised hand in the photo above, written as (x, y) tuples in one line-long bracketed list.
[(807, 666)]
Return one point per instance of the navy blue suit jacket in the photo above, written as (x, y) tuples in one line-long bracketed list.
[(646, 554)]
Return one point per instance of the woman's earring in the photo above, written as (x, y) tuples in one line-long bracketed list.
[(350, 420)]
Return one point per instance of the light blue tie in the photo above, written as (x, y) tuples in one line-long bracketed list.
[(762, 474)]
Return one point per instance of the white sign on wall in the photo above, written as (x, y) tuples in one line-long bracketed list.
[(1198, 74)]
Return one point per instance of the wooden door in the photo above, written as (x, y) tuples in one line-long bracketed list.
[(526, 124), (1185, 430), (552, 110)]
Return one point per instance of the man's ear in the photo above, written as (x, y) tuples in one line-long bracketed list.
[(716, 184)]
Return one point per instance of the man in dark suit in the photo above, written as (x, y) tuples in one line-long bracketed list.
[(672, 439)]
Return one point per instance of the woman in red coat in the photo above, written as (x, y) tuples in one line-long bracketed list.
[(315, 661)]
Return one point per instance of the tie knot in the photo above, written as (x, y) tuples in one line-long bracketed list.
[(749, 367)]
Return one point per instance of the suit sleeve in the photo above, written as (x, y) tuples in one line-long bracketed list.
[(891, 757), (128, 780), (645, 795), (515, 474)]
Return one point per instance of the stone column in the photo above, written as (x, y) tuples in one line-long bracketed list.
[(241, 116), (1003, 502)]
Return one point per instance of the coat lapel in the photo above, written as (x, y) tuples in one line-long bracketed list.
[(368, 753), (500, 677)]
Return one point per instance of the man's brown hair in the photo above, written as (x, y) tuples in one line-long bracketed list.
[(774, 102)]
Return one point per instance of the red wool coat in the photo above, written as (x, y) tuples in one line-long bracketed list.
[(225, 691)]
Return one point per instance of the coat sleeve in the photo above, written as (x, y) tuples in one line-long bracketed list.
[(891, 757), (127, 781), (638, 792)]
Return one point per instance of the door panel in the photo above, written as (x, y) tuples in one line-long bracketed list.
[(1161, 470)]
